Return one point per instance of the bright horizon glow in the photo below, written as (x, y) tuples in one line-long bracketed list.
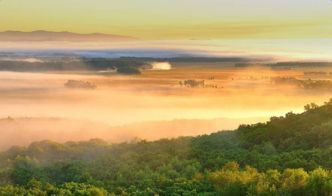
[(173, 19)]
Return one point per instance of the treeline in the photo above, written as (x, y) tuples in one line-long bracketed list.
[(122, 65), (288, 155), (301, 64), (192, 59), (307, 84)]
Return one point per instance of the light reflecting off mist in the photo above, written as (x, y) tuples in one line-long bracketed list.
[(153, 96), (161, 66), (151, 106)]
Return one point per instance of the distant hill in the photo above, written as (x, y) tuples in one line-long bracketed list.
[(15, 36)]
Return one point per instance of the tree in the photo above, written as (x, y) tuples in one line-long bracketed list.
[(294, 181)]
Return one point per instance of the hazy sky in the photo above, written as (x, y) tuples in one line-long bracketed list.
[(202, 19)]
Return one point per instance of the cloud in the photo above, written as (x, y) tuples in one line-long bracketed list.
[(161, 66)]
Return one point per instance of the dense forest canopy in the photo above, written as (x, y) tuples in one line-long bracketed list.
[(288, 155)]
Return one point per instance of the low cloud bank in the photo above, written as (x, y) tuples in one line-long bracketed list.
[(161, 66)]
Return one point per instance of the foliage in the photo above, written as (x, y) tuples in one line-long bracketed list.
[(289, 155)]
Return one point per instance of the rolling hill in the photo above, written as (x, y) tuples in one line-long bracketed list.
[(288, 155)]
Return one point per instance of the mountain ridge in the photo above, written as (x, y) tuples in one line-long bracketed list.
[(43, 35)]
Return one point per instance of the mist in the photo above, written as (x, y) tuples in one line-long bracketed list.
[(24, 131), (161, 66), (152, 105)]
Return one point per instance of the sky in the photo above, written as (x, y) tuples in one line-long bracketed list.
[(173, 19)]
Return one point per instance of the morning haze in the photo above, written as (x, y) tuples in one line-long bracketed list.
[(156, 97)]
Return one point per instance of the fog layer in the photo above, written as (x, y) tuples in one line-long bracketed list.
[(159, 99)]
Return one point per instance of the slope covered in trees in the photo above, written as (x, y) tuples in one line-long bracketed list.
[(288, 155)]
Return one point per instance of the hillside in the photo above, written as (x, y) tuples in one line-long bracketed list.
[(288, 155)]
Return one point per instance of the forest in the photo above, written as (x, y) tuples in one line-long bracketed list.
[(123, 65), (130, 65), (288, 155)]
